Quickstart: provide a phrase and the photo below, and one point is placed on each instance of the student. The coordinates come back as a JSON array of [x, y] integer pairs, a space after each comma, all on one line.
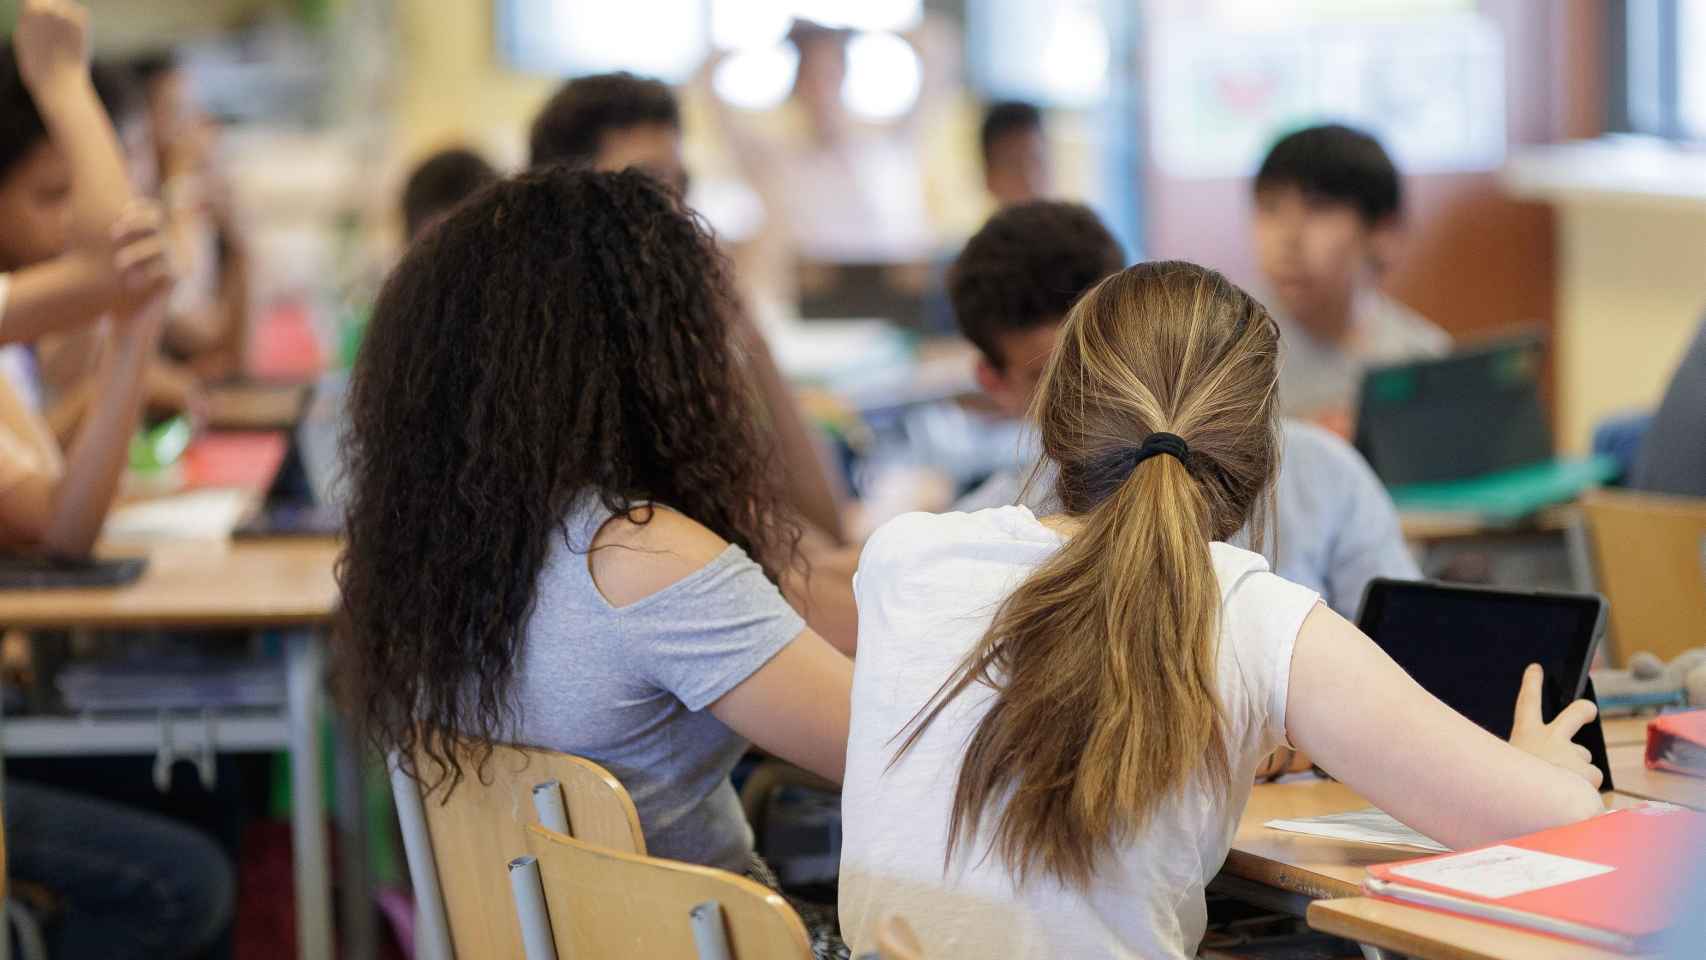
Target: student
[[1055, 721], [564, 527], [439, 183], [128, 884], [1327, 218], [612, 121], [1013, 285], [1673, 452], [1016, 166]]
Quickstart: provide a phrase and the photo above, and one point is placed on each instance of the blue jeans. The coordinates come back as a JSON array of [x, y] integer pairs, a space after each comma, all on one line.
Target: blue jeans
[[130, 884]]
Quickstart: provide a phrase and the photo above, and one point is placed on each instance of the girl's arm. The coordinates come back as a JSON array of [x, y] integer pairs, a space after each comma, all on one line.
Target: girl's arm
[[1365, 721]]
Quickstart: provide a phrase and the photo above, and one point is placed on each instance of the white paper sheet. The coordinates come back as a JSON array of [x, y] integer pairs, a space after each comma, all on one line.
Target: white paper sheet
[[1360, 826], [198, 515], [1499, 872]]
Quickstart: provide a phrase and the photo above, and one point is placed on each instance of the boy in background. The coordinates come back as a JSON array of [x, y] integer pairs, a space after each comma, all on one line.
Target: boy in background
[[612, 121], [1328, 208], [1334, 528], [1016, 166], [439, 183]]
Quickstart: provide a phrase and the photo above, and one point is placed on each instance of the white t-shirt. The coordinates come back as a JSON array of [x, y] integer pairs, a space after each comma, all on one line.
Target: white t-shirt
[[927, 588], [1315, 376]]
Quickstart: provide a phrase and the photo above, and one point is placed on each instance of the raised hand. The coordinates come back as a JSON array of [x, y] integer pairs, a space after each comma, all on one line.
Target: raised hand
[[1551, 741], [52, 42]]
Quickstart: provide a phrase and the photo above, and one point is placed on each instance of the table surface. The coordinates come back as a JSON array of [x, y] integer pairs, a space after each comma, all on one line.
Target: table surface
[[248, 583], [1427, 526], [1316, 867], [1623, 731], [1629, 774], [1432, 935]]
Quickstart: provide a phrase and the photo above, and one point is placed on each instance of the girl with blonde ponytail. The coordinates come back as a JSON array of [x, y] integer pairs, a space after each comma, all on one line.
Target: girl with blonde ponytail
[[1056, 721]]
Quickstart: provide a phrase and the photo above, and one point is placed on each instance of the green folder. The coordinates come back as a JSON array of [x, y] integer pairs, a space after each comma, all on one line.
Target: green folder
[[1508, 495]]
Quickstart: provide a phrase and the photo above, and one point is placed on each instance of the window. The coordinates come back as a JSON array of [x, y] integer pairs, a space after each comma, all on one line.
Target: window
[[1658, 61]]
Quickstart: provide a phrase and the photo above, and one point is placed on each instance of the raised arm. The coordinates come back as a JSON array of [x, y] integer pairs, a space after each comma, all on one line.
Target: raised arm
[[75, 288], [1366, 722]]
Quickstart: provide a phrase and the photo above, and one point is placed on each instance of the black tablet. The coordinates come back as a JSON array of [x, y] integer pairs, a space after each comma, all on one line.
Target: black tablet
[[1468, 646], [34, 572]]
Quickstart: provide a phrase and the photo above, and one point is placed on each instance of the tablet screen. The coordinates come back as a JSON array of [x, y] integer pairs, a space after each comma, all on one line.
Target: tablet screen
[[1469, 646]]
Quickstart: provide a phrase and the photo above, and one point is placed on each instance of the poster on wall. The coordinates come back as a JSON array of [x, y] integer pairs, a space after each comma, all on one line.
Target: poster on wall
[[1431, 88]]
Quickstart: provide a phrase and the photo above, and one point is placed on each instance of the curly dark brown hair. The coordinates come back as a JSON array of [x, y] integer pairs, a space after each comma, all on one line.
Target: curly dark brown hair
[[562, 333]]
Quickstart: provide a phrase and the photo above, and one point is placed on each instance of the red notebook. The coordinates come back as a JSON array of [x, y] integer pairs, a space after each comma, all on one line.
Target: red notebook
[[1677, 742], [234, 459], [1614, 881]]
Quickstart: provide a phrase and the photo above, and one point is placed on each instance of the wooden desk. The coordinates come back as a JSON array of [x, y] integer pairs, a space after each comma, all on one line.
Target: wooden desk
[[248, 584], [1629, 774], [1310, 867], [255, 406], [1432, 935], [189, 584], [1428, 526], [1624, 731]]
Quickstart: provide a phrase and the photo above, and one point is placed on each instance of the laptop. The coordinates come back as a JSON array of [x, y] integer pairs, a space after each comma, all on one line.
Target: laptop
[[1468, 433], [1469, 646]]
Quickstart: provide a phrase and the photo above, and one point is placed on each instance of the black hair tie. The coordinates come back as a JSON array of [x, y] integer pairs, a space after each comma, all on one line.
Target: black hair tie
[[1170, 444]]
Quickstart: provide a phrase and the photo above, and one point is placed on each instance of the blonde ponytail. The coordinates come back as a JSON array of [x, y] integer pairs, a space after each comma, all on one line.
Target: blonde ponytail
[[1104, 660]]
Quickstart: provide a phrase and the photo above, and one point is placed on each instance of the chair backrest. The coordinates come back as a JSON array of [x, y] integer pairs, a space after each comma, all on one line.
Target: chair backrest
[[603, 903], [474, 828], [1647, 550]]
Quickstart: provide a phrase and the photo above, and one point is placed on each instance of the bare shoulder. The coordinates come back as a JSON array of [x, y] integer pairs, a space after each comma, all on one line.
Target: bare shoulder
[[633, 558]]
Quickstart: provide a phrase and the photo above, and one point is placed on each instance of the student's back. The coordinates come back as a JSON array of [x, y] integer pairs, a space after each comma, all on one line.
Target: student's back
[[1673, 453], [1055, 722]]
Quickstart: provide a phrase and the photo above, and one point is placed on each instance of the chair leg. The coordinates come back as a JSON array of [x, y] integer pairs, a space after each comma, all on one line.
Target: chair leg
[[432, 938], [709, 937], [529, 892]]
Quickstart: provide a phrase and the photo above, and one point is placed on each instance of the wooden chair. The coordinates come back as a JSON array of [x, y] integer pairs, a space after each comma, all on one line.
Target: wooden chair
[[1647, 551], [456, 840], [604, 903]]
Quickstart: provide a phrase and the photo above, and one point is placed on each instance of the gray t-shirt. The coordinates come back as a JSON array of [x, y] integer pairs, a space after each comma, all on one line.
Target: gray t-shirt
[[627, 687], [1673, 454], [1334, 527], [1317, 377]]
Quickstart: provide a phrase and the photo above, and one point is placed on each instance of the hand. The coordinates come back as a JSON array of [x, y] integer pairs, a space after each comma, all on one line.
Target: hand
[[52, 41], [139, 248], [1551, 741]]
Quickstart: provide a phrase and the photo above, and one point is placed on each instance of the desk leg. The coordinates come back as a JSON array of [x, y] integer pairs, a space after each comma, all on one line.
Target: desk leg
[[303, 673], [355, 881], [1375, 953]]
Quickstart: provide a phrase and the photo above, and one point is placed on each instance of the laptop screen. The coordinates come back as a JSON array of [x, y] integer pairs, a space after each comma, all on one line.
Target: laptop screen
[[1469, 646]]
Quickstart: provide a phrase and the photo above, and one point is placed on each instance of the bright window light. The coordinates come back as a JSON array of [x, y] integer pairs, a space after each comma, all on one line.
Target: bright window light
[[750, 24], [659, 38], [757, 79], [883, 76], [865, 15], [1075, 56]]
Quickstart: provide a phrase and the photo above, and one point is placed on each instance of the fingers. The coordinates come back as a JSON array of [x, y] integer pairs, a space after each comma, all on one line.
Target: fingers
[[1528, 699], [1591, 774], [140, 219], [1573, 718]]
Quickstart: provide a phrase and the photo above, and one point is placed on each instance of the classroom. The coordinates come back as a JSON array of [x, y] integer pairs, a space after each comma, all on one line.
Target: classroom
[[853, 479]]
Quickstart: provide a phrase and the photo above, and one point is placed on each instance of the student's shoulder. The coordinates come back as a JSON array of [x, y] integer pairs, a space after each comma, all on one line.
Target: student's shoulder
[[916, 539], [650, 549], [1310, 445]]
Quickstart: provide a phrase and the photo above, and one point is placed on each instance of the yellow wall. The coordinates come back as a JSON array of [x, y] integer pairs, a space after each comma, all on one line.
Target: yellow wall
[[1632, 284]]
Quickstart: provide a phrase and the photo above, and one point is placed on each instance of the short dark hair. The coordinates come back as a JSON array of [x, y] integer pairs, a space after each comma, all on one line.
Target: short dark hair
[[1027, 266], [1008, 117], [1338, 163], [440, 182], [575, 120], [21, 126], [151, 66]]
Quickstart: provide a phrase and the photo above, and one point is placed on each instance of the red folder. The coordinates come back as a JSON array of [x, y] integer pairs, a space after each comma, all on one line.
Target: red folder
[[234, 459], [1614, 881], [1677, 742]]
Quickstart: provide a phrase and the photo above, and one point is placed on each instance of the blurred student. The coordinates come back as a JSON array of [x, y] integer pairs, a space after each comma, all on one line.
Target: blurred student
[[565, 526], [1327, 220], [612, 121], [1016, 167], [126, 884], [439, 183], [1012, 288], [1056, 720], [1673, 452], [208, 314], [69, 360]]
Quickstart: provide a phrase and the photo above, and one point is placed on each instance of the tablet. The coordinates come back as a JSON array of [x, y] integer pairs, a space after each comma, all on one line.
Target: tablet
[[36, 572], [1468, 646]]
